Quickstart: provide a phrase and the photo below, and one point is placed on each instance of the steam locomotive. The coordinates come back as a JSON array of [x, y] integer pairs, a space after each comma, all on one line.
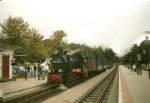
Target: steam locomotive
[[70, 68]]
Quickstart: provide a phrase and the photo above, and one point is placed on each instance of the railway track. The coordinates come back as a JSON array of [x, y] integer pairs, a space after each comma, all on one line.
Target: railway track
[[100, 92], [32, 95]]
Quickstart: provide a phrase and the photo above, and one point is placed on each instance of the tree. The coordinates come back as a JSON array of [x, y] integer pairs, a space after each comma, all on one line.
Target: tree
[[14, 28], [55, 41], [109, 55], [72, 46], [29, 42], [144, 49], [34, 46], [133, 54], [99, 56]]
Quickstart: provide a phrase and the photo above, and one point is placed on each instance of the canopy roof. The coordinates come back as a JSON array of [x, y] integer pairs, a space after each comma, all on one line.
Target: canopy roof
[[6, 46]]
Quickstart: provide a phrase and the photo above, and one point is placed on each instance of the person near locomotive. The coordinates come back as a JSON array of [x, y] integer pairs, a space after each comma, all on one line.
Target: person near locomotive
[[39, 72], [35, 69], [44, 68], [139, 64]]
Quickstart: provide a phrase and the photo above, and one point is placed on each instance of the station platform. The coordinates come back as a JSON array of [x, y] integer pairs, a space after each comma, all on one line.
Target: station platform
[[72, 94], [20, 84], [133, 88]]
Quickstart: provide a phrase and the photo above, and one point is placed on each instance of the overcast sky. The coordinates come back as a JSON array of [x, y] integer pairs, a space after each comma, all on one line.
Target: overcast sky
[[113, 23]]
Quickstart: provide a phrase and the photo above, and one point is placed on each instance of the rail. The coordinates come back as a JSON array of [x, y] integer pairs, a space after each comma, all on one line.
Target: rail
[[98, 93], [29, 95]]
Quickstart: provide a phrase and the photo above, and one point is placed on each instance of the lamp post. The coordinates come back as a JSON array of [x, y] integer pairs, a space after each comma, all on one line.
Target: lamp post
[[146, 53]]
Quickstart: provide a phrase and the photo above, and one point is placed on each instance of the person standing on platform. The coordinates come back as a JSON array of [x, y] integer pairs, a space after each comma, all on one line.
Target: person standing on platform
[[35, 69], [148, 66], [26, 71], [139, 68], [134, 68], [32, 70], [44, 70], [39, 72]]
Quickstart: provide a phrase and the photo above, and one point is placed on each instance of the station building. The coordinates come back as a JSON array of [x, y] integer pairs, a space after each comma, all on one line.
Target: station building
[[6, 57]]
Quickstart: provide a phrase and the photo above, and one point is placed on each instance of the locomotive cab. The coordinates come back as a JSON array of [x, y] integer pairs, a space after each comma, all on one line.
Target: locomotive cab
[[77, 65]]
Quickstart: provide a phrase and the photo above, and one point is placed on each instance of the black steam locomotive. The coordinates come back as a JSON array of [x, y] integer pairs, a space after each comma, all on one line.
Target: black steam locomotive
[[70, 68]]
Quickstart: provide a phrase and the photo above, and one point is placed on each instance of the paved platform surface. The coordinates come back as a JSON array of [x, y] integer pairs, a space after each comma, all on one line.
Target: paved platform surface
[[20, 84], [135, 88], [75, 92]]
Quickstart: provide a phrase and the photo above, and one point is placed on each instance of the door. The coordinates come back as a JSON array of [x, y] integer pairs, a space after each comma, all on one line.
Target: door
[[5, 67]]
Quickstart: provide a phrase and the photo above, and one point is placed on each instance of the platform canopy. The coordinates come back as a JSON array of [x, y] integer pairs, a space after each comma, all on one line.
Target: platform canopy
[[6, 46]]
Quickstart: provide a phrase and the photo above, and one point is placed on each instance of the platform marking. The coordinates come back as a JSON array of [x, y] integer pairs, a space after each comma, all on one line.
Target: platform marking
[[120, 90]]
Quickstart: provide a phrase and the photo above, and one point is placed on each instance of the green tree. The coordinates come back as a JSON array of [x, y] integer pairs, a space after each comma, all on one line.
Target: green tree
[[109, 56], [28, 41], [34, 46], [56, 40], [133, 54], [14, 28], [99, 56], [144, 50]]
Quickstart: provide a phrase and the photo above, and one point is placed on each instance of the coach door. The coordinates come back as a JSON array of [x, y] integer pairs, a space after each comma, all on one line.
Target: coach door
[[5, 66]]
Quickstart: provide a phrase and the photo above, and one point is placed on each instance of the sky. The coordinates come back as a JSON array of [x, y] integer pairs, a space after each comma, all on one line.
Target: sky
[[111, 23]]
